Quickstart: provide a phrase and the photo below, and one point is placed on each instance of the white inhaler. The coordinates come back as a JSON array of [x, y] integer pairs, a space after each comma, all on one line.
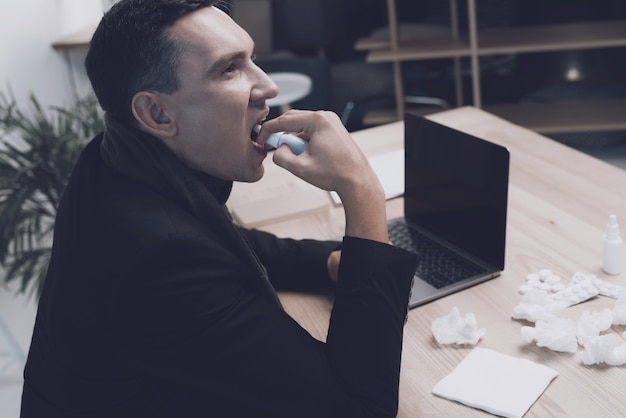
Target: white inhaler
[[612, 255], [297, 144]]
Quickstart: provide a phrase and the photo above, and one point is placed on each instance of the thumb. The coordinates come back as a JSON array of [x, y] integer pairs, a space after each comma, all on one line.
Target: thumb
[[285, 158]]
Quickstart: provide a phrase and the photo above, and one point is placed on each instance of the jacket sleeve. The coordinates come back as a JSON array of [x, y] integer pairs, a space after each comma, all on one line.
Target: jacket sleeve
[[192, 320], [292, 264]]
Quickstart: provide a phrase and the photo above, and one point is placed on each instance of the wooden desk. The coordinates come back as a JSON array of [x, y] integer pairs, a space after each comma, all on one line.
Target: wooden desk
[[559, 202]]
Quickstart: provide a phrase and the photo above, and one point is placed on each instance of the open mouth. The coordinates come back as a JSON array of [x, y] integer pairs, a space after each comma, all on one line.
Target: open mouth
[[253, 136], [255, 132]]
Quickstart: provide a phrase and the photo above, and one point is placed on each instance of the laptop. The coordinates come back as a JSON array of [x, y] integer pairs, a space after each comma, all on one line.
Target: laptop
[[455, 208]]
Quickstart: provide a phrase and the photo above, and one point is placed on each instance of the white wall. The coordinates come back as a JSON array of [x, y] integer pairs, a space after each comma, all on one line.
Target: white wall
[[28, 63]]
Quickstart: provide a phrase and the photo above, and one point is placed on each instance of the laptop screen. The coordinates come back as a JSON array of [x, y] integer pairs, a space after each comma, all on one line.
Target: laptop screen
[[456, 187]]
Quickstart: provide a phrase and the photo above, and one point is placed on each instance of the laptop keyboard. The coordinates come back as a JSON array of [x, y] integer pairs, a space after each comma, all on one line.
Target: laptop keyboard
[[438, 266]]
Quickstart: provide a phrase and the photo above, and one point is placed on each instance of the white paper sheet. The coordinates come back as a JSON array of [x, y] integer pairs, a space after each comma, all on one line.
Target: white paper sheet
[[389, 168], [497, 383]]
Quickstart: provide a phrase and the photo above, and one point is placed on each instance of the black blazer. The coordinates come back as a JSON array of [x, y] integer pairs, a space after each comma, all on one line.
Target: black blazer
[[146, 312]]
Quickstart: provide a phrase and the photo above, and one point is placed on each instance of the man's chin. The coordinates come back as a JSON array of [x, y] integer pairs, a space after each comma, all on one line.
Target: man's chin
[[259, 177], [253, 177]]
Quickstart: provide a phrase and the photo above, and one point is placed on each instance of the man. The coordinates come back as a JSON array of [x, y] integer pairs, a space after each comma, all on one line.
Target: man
[[155, 303]]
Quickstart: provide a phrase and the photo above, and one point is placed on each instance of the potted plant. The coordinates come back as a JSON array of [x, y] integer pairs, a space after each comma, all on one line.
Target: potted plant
[[38, 150]]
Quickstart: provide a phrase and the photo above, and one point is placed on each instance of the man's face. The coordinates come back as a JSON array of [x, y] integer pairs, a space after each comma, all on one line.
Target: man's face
[[222, 97]]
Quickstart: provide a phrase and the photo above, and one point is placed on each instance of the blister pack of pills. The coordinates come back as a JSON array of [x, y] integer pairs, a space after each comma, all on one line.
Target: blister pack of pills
[[577, 293], [605, 288]]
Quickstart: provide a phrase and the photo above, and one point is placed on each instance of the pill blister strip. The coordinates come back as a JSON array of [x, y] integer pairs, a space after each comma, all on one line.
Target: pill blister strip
[[581, 287], [604, 287], [577, 293]]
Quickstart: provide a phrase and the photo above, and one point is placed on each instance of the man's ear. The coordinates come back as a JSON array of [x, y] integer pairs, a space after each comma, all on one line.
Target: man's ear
[[152, 116]]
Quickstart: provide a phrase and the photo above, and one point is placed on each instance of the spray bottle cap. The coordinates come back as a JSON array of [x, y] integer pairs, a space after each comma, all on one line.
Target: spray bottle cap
[[612, 228]]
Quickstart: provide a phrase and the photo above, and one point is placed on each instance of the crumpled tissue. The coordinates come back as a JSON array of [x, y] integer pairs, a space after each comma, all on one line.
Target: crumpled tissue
[[619, 311], [609, 349], [535, 305], [557, 334], [591, 324], [565, 335], [497, 383], [453, 328]]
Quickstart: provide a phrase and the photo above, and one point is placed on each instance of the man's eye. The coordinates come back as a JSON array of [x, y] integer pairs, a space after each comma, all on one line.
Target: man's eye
[[231, 68]]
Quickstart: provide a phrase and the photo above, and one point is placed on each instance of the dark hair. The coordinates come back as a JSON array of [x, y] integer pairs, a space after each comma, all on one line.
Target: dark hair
[[131, 51]]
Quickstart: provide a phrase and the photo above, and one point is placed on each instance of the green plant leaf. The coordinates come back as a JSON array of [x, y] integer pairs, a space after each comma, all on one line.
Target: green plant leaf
[[38, 151]]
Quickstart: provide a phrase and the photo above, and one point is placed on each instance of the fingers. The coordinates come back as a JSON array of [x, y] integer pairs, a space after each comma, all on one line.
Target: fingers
[[302, 122], [283, 157], [332, 160], [332, 264]]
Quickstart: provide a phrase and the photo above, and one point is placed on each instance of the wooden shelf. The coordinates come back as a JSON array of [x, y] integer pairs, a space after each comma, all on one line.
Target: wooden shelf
[[432, 48], [77, 39], [561, 37], [557, 37], [577, 116], [383, 42], [370, 44]]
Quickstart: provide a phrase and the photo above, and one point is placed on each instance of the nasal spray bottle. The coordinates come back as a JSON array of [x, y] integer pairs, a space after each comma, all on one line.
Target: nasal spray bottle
[[612, 263]]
